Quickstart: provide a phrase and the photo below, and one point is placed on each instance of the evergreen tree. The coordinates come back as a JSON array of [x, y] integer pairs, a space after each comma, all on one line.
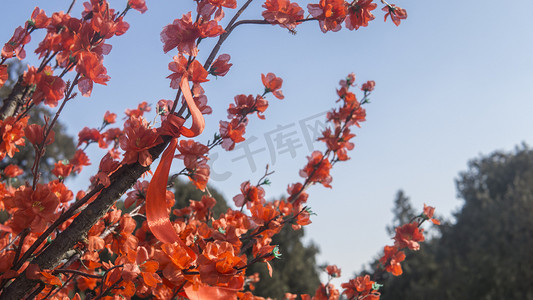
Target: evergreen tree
[[294, 272], [486, 253], [403, 212]]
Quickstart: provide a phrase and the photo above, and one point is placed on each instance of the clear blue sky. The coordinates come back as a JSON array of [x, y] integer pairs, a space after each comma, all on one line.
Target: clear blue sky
[[453, 81]]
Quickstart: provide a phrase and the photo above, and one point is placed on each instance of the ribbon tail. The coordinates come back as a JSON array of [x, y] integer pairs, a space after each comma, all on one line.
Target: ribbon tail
[[206, 292], [156, 204], [198, 122]]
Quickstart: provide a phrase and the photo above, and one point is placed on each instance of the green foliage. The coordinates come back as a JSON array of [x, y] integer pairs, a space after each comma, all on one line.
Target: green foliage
[[486, 254], [295, 271]]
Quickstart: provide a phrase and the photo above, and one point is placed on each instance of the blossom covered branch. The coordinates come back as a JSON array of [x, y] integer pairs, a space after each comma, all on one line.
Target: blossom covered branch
[[54, 241]]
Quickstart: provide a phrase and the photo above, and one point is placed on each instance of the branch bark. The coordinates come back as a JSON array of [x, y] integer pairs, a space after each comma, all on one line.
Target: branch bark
[[122, 180], [14, 101]]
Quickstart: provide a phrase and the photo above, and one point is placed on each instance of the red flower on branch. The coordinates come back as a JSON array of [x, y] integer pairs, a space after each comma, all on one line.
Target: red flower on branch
[[360, 288], [48, 88], [62, 170], [245, 105], [138, 263], [109, 117], [391, 260], [138, 138], [35, 134], [33, 209], [283, 12], [89, 135], [15, 45], [368, 86], [206, 8], [79, 160], [220, 66], [107, 167], [272, 85], [139, 111], [317, 169], [231, 133], [38, 19], [333, 271], [193, 153], [359, 14], [12, 171], [397, 14], [428, 214], [183, 33], [330, 14], [91, 67], [408, 236], [174, 258], [250, 195], [200, 176], [219, 263], [203, 207], [337, 142], [139, 5], [12, 133], [296, 194], [195, 71], [61, 191]]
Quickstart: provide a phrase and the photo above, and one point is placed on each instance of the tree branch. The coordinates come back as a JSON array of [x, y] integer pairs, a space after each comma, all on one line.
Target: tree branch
[[13, 101], [122, 180]]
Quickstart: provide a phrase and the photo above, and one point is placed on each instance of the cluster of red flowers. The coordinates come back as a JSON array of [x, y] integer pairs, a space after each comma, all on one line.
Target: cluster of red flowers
[[232, 132], [407, 236], [362, 287], [330, 13], [155, 250]]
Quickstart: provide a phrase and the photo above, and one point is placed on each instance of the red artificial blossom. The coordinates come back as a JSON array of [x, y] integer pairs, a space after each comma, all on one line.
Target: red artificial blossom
[[54, 243]]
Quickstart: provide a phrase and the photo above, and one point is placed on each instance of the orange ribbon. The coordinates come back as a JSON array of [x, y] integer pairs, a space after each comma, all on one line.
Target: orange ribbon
[[198, 122], [206, 292], [156, 206]]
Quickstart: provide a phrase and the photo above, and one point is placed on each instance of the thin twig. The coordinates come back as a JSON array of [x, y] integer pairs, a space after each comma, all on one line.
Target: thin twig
[[225, 35], [71, 6], [76, 272], [23, 236]]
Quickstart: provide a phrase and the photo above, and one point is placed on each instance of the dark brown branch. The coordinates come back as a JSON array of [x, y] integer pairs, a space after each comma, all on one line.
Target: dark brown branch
[[225, 35], [71, 6], [231, 26], [64, 217], [76, 272], [23, 236], [122, 180], [14, 101]]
